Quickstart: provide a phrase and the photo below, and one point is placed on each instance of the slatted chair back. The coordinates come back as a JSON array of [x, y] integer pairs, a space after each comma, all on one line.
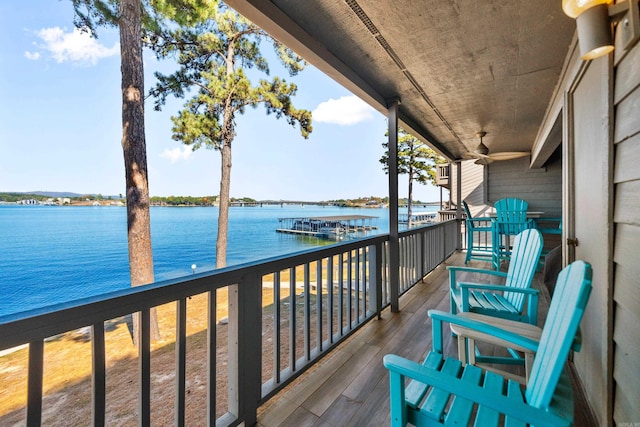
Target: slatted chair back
[[565, 313], [511, 216], [527, 247], [478, 231]]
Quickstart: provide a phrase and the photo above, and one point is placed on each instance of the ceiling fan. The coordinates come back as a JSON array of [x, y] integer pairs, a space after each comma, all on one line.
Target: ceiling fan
[[481, 153]]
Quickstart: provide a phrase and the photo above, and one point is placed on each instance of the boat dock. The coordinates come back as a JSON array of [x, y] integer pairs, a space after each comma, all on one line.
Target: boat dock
[[337, 227], [418, 218]]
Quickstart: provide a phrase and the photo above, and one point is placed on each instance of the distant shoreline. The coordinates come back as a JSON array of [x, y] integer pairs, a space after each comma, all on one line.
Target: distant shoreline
[[111, 203]]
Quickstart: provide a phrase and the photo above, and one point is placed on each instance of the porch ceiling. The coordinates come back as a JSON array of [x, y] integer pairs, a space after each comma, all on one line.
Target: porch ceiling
[[458, 66]]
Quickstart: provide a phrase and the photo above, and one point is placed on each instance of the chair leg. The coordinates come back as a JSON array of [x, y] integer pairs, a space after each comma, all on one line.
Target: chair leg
[[471, 353], [528, 364], [463, 351]]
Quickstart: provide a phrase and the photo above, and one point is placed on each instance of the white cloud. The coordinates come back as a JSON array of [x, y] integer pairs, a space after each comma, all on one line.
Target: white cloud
[[75, 46], [347, 110], [177, 154], [34, 56]]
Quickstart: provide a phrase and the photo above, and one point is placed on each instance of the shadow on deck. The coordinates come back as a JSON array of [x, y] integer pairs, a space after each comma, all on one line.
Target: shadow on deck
[[350, 387]]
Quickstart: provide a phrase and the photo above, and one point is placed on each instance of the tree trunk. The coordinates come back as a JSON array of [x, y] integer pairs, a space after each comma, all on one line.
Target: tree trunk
[[135, 151], [228, 133], [223, 215]]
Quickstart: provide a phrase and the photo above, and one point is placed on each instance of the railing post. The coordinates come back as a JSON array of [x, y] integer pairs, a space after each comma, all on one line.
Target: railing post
[[394, 245], [459, 204], [245, 341], [34, 381], [444, 244], [422, 248], [375, 278]]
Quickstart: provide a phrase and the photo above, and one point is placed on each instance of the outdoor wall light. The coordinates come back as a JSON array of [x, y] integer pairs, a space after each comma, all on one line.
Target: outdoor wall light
[[595, 19]]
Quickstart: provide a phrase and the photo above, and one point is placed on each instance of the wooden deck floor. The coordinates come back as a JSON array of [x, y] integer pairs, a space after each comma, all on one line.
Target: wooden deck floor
[[350, 386]]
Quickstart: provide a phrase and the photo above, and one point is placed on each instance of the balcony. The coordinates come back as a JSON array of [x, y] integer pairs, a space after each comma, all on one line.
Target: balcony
[[443, 175], [350, 387], [231, 339]]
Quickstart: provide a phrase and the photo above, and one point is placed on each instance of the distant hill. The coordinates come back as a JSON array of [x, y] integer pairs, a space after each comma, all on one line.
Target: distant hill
[[54, 193]]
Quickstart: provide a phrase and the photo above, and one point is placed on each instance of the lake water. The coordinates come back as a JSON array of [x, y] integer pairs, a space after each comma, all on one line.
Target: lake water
[[54, 254]]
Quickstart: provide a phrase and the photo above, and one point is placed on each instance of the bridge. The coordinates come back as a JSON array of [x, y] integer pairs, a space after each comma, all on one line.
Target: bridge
[[302, 203], [282, 203]]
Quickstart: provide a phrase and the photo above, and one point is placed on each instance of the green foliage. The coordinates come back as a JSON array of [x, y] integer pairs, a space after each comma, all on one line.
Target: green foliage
[[414, 158], [91, 14], [14, 197], [183, 201], [213, 46]]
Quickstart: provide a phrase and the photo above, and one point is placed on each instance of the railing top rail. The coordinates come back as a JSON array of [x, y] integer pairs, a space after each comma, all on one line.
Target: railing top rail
[[431, 226]]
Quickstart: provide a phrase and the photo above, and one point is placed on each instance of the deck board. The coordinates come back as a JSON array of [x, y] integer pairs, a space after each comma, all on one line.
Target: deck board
[[350, 387]]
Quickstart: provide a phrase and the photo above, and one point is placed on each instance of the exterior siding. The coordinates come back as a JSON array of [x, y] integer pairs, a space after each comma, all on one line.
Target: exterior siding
[[472, 187], [542, 188], [626, 284]]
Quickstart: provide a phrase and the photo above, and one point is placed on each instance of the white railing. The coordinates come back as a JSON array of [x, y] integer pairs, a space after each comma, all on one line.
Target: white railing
[[262, 325]]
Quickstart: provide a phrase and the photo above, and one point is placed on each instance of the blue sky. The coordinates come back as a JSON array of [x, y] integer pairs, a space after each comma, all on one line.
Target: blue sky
[[60, 125]]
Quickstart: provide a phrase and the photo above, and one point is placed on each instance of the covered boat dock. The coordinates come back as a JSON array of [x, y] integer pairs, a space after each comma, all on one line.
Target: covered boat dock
[[337, 227]]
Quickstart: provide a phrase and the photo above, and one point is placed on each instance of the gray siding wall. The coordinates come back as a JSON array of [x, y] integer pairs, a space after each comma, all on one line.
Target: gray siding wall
[[541, 188], [473, 188], [626, 286]]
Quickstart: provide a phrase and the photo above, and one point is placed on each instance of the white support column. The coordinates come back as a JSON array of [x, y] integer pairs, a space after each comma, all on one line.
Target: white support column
[[394, 246]]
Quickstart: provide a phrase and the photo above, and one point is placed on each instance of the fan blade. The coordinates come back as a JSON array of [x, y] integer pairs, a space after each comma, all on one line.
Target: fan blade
[[483, 161], [508, 155]]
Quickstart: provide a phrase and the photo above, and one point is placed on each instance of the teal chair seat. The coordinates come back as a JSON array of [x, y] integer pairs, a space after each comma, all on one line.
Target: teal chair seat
[[506, 301]]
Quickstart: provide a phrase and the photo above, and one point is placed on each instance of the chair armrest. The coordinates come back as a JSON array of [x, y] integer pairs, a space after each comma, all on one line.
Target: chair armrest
[[438, 317], [480, 224], [455, 269], [498, 288], [550, 219], [481, 218], [549, 225], [400, 367]]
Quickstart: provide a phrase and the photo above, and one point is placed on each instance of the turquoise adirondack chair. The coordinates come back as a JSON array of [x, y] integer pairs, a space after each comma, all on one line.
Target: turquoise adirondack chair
[[506, 301], [443, 392], [479, 231], [511, 219]]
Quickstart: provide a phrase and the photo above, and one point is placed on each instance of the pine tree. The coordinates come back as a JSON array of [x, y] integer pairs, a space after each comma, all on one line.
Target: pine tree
[[213, 50], [416, 160], [127, 15]]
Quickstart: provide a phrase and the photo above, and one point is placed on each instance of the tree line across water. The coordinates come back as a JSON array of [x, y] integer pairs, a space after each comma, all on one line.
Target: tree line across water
[[10, 197]]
